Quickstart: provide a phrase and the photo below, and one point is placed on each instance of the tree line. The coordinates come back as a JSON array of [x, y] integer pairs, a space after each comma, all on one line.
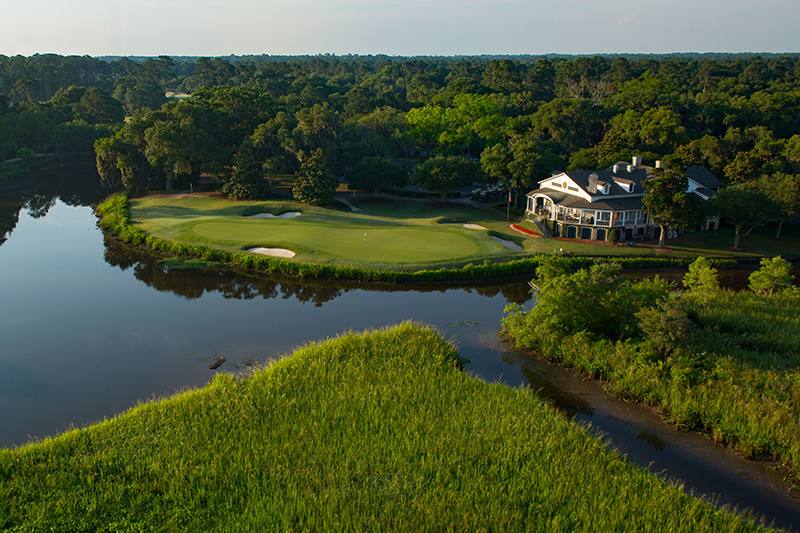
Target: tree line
[[520, 118]]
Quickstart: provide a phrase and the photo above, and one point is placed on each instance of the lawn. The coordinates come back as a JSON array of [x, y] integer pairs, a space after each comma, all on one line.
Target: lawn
[[393, 233], [389, 233], [373, 432]]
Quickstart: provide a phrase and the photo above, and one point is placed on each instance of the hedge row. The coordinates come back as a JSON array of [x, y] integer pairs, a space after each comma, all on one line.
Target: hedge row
[[114, 216]]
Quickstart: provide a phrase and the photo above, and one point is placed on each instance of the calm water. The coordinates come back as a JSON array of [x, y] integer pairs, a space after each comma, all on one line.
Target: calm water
[[89, 328]]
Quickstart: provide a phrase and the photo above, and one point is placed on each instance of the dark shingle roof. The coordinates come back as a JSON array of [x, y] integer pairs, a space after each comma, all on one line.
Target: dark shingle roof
[[622, 176], [704, 177], [612, 204]]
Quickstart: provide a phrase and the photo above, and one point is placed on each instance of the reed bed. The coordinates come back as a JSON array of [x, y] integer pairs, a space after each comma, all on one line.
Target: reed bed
[[735, 376], [366, 432]]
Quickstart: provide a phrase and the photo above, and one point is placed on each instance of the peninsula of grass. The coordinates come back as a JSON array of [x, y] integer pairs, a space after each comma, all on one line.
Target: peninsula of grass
[[372, 432], [395, 242]]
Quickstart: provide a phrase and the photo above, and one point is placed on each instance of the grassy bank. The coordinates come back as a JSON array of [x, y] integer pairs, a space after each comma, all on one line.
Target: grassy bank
[[362, 433], [115, 216], [726, 363]]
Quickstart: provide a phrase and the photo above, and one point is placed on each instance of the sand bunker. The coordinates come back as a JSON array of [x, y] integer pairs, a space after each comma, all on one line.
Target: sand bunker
[[468, 226], [508, 244], [290, 214], [272, 252]]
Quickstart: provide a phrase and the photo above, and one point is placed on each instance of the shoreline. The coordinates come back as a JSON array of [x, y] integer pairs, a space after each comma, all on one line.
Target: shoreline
[[114, 217]]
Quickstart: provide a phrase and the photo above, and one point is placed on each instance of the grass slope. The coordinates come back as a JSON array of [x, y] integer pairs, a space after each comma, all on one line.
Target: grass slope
[[369, 432]]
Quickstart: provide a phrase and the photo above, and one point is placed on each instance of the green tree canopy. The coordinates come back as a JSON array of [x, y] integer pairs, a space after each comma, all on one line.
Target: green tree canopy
[[443, 173], [247, 180], [375, 174], [784, 190], [668, 203], [315, 185], [745, 208]]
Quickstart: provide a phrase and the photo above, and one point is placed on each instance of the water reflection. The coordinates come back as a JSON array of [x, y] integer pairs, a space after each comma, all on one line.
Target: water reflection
[[75, 184], [194, 283], [653, 440]]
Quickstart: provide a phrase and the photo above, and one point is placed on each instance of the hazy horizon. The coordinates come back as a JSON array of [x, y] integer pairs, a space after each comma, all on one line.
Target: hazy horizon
[[389, 27]]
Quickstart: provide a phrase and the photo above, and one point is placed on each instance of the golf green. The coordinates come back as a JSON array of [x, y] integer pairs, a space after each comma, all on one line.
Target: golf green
[[359, 242]]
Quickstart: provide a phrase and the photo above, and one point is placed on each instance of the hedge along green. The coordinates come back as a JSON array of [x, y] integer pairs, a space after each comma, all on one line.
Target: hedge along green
[[115, 217]]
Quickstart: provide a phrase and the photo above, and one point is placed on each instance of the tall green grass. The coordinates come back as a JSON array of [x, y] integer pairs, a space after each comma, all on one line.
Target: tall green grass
[[372, 432], [736, 376]]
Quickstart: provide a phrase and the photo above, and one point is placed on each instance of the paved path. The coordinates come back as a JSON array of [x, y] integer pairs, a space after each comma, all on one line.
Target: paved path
[[348, 204]]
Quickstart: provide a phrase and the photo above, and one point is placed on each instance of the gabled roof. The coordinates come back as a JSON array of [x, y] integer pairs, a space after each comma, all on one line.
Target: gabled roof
[[620, 177], [618, 181], [632, 202], [704, 177]]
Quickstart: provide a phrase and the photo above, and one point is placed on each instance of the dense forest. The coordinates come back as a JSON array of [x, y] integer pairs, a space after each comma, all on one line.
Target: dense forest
[[520, 117]]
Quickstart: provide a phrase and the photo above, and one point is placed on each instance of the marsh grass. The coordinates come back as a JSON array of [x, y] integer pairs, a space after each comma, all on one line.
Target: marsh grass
[[736, 377], [372, 432]]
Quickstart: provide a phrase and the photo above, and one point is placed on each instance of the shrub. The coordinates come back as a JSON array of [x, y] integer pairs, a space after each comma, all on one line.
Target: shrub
[[701, 281], [774, 275]]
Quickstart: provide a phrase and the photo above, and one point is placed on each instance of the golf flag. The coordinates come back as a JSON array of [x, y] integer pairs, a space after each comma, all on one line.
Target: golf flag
[[509, 195]]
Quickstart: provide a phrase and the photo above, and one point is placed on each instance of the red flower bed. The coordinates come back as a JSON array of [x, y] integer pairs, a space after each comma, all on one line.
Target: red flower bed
[[524, 230]]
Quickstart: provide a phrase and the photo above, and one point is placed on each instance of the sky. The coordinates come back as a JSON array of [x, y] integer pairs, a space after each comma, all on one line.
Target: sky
[[395, 27]]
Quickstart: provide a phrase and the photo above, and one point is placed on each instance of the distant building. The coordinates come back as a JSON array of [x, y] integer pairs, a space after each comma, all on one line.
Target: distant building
[[583, 204]]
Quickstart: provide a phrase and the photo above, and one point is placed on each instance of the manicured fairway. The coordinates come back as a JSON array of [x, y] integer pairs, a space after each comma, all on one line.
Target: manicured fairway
[[401, 234]]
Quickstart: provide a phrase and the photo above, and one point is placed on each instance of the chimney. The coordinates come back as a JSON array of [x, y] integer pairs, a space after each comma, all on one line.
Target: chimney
[[637, 160], [630, 168], [616, 168], [658, 164], [593, 183]]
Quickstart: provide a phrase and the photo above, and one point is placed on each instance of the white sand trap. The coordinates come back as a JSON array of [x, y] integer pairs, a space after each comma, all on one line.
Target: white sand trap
[[290, 214], [468, 226], [273, 252], [508, 244]]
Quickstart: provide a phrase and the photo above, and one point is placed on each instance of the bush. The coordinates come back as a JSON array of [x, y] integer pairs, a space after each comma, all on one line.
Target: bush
[[774, 275]]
